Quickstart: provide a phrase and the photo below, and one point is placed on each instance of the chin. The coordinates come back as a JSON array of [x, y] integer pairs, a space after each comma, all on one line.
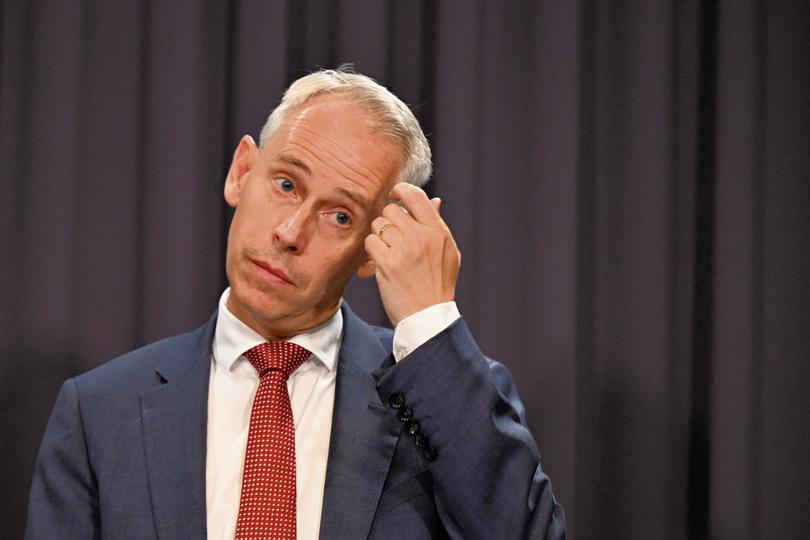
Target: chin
[[263, 305]]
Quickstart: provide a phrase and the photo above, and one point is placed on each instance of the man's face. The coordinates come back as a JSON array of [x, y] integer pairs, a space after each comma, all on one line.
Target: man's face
[[304, 202]]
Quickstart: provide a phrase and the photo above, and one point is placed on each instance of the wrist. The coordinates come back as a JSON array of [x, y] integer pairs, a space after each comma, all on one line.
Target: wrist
[[416, 329]]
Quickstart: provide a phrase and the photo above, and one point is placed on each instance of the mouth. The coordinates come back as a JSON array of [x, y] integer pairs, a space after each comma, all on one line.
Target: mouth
[[272, 273]]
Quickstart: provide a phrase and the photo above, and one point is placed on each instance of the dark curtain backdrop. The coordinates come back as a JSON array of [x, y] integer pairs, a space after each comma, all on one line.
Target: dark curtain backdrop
[[627, 182]]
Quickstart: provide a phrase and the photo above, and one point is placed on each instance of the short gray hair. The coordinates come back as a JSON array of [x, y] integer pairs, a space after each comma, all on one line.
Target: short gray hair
[[389, 114]]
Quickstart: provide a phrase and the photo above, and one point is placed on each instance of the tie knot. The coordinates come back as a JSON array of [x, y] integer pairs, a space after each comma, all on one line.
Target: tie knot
[[277, 355]]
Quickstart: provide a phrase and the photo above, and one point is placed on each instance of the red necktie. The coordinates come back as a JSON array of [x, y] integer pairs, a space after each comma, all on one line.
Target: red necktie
[[267, 504]]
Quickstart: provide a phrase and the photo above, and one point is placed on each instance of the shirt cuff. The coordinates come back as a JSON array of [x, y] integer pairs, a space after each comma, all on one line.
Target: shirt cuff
[[414, 330]]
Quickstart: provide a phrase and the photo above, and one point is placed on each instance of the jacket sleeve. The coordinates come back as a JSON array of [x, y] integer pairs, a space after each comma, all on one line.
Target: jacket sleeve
[[488, 482], [64, 498]]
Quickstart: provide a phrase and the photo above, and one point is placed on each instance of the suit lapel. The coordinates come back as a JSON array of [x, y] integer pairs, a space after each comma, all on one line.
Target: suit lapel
[[363, 437], [174, 418]]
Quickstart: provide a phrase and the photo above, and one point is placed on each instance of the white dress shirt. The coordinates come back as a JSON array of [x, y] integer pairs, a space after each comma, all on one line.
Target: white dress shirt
[[233, 386]]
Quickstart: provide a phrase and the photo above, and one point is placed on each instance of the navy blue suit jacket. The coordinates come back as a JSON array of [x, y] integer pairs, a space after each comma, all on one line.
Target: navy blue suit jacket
[[123, 455]]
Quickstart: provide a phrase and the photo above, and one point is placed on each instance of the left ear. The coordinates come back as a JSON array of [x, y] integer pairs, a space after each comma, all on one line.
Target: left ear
[[366, 268], [243, 158]]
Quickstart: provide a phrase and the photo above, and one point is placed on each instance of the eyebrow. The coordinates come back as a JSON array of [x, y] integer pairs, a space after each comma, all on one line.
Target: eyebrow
[[357, 198], [295, 162]]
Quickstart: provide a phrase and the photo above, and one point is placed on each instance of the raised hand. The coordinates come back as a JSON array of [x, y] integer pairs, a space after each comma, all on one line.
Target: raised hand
[[416, 260]]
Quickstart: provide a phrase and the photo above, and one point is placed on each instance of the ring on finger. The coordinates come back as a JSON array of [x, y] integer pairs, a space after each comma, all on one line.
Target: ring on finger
[[383, 228]]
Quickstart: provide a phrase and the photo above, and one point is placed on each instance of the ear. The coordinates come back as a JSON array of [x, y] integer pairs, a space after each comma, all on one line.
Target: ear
[[366, 268], [243, 159]]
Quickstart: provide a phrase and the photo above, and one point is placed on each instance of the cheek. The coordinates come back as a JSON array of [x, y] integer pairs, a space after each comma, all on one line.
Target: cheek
[[232, 251], [331, 261], [235, 240], [355, 257], [247, 226]]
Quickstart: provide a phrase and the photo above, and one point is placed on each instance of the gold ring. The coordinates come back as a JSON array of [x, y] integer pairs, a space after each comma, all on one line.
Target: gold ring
[[382, 229]]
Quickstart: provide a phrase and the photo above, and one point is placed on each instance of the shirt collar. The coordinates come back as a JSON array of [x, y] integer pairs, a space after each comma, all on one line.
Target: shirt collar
[[232, 338]]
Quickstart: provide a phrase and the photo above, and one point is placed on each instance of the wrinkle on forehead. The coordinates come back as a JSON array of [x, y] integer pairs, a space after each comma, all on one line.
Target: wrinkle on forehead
[[321, 130], [351, 158]]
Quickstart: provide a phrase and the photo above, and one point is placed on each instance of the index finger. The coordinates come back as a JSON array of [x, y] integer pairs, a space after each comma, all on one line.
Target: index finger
[[416, 202]]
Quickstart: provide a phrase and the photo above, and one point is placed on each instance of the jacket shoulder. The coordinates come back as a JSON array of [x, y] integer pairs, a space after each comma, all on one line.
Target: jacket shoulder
[[139, 367]]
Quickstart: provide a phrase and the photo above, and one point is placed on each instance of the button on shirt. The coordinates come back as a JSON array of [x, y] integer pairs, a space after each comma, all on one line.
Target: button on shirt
[[233, 386]]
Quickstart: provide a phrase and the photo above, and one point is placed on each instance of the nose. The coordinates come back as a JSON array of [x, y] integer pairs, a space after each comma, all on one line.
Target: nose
[[289, 234]]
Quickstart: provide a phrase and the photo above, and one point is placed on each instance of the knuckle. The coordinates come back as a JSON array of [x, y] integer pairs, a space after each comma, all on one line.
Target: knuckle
[[389, 208], [410, 188], [402, 187], [433, 236], [424, 243]]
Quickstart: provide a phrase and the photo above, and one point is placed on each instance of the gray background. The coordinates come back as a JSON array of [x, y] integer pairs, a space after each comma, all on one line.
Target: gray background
[[627, 182]]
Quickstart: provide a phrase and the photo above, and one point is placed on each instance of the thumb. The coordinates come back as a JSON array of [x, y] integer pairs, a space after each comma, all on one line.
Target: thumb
[[436, 202]]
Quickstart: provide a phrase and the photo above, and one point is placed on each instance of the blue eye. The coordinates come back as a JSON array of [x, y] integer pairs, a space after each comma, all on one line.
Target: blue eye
[[342, 218], [285, 184]]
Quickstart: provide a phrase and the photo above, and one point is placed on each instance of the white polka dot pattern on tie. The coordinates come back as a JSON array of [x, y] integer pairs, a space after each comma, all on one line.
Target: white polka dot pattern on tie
[[267, 504]]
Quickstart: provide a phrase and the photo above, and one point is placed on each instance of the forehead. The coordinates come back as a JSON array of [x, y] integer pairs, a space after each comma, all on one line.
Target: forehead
[[333, 119], [331, 110], [330, 134]]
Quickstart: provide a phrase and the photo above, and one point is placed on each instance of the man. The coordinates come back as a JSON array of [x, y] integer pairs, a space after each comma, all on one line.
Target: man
[[360, 431]]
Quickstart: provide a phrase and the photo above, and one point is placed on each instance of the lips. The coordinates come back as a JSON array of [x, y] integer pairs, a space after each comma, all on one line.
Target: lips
[[273, 272]]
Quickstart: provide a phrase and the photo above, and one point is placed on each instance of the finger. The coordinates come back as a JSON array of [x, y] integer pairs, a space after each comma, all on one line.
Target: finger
[[386, 230], [416, 203], [375, 248], [398, 216], [405, 222], [379, 223]]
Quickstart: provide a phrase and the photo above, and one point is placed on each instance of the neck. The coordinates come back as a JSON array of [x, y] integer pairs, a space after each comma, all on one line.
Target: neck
[[285, 327]]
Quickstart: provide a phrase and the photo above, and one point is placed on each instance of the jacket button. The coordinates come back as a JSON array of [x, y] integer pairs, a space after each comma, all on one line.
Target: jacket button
[[421, 440], [396, 400], [413, 427], [430, 453], [405, 414]]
